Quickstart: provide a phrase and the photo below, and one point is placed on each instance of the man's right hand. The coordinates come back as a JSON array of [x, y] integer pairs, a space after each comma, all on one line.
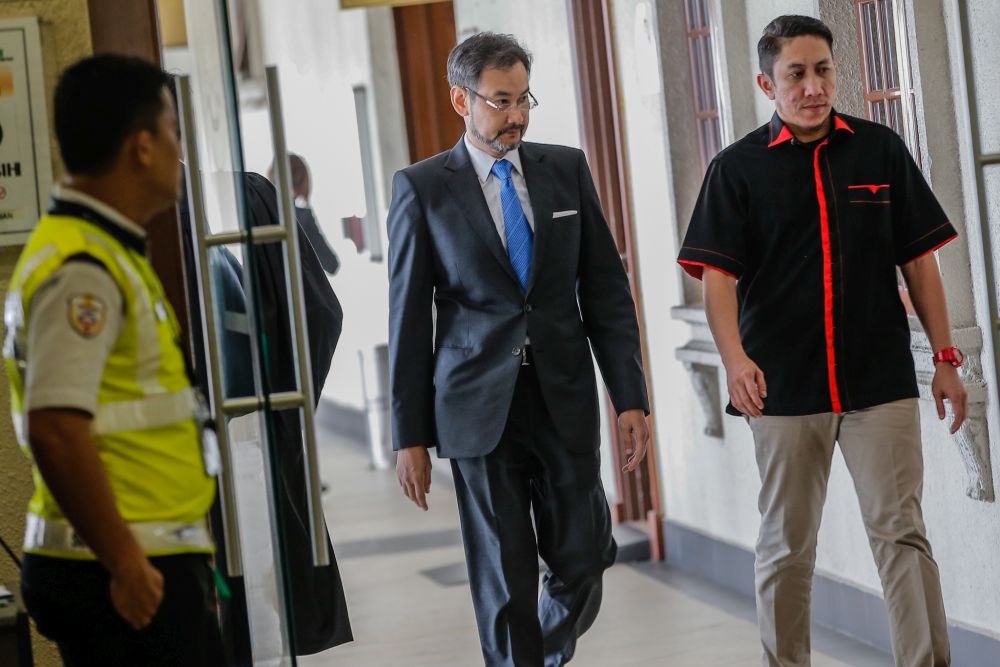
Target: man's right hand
[[137, 591], [747, 389], [413, 469]]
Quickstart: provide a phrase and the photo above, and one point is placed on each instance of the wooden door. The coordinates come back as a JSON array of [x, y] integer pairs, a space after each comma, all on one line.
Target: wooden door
[[425, 34]]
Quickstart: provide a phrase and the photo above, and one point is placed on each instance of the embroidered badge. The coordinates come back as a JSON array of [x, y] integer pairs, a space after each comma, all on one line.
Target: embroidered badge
[[87, 315]]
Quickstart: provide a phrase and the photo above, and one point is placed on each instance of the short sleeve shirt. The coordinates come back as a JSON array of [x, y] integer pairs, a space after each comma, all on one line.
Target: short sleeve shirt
[[74, 320], [814, 233]]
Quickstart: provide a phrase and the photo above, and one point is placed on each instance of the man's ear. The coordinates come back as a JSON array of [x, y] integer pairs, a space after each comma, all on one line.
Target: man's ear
[[765, 83], [140, 145], [460, 100]]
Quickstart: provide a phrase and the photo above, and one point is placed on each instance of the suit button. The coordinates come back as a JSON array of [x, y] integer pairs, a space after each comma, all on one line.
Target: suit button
[[527, 308], [516, 350]]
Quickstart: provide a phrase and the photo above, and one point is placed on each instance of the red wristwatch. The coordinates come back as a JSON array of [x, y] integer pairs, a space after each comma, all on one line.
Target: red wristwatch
[[952, 355]]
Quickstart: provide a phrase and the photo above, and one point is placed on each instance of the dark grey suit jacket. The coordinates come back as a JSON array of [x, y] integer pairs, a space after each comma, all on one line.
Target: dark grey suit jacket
[[452, 380]]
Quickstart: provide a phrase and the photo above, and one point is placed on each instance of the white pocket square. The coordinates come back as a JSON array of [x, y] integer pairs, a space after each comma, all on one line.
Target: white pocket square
[[562, 214]]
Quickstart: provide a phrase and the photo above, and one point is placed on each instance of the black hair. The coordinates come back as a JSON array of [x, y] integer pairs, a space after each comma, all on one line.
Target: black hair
[[482, 51], [99, 102], [784, 28]]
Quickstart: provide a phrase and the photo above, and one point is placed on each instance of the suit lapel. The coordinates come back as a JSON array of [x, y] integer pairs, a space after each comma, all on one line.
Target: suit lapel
[[467, 191], [542, 194]]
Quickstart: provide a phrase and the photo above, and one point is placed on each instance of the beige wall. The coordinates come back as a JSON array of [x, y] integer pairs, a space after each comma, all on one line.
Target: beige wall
[[65, 31]]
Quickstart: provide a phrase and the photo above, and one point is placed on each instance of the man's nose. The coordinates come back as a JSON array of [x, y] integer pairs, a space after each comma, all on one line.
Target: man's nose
[[813, 86], [516, 116]]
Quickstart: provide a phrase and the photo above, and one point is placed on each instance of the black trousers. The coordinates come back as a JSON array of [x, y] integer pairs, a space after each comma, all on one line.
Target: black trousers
[[71, 604], [532, 473]]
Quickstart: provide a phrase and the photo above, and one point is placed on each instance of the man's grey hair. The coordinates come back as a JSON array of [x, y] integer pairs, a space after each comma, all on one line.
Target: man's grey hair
[[482, 51]]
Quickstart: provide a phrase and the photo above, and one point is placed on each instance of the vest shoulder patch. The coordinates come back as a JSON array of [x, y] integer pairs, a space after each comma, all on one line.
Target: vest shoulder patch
[[87, 314]]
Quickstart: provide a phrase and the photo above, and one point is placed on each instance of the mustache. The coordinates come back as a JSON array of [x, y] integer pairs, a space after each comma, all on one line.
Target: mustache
[[517, 126]]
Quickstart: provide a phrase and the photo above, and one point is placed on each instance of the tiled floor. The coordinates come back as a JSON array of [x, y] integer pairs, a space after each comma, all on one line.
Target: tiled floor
[[404, 574]]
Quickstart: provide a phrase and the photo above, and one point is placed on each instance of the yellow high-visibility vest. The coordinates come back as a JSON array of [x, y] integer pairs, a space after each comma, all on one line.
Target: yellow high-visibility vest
[[144, 427]]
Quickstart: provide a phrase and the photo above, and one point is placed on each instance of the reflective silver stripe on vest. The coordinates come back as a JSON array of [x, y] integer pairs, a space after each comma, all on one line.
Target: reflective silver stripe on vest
[[124, 416], [153, 536], [150, 412], [13, 310], [18, 419], [148, 352]]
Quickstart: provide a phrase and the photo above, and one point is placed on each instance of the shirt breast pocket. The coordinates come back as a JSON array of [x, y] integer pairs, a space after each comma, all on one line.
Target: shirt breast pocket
[[869, 194], [870, 208]]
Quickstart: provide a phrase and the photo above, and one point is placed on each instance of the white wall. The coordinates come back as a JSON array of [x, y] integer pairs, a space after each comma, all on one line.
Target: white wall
[[984, 17], [322, 52], [641, 86], [970, 530]]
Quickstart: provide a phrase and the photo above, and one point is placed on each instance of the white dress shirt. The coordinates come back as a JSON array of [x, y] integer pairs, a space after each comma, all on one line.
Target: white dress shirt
[[482, 162]]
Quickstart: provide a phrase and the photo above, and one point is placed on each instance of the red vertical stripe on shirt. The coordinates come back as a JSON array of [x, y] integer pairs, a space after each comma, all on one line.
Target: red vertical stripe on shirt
[[824, 225]]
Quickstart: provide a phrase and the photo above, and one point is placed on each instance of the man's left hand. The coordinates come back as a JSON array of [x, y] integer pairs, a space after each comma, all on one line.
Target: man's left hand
[[633, 429], [948, 385]]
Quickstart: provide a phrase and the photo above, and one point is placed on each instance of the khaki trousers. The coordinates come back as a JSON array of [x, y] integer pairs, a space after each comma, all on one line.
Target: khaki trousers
[[881, 446]]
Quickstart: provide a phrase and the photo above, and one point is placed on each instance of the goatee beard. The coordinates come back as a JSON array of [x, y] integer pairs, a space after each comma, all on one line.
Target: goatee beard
[[496, 144]]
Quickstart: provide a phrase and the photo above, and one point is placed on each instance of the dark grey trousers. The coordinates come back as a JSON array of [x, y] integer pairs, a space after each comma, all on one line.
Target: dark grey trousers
[[532, 473]]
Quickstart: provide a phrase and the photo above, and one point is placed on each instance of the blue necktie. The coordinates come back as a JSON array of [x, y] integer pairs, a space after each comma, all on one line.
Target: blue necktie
[[516, 228]]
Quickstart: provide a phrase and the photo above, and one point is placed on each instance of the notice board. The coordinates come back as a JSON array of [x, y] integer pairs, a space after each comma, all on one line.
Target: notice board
[[25, 159]]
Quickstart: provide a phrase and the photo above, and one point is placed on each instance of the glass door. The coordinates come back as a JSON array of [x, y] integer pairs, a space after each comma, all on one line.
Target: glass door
[[250, 300]]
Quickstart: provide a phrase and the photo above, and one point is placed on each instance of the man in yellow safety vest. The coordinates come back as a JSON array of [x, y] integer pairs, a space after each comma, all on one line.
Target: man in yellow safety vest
[[117, 565]]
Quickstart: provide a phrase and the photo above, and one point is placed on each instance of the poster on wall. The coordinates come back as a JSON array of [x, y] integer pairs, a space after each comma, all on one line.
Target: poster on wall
[[25, 161]]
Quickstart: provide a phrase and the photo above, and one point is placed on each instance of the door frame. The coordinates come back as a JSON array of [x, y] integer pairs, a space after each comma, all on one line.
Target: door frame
[[603, 139]]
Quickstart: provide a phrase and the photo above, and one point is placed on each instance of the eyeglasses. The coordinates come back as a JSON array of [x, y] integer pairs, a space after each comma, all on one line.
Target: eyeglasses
[[524, 104]]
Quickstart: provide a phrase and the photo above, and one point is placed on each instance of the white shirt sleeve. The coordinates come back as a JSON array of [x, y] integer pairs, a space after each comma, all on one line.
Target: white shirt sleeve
[[74, 320]]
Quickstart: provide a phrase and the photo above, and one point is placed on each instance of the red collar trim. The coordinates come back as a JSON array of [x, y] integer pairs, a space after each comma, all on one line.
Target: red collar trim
[[840, 124], [786, 135], [783, 136]]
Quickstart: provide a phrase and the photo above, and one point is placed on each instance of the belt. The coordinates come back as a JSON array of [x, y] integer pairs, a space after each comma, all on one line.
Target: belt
[[527, 355], [49, 536]]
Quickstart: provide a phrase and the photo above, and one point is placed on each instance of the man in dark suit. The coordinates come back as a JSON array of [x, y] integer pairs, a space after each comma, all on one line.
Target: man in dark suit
[[508, 241]]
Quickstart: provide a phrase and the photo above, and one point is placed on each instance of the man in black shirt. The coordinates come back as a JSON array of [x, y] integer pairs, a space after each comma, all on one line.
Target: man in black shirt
[[803, 223]]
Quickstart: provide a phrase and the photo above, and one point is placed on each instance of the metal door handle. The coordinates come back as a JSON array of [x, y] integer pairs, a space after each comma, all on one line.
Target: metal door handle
[[293, 281], [196, 206]]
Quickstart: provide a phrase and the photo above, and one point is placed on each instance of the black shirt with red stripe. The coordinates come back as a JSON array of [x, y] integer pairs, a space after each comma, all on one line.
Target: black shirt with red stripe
[[813, 232]]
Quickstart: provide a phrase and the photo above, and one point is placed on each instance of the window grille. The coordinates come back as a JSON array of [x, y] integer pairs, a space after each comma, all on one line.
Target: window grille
[[703, 79]]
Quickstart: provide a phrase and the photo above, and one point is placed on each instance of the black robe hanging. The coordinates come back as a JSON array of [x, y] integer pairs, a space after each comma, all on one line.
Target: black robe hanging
[[319, 617], [319, 610]]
